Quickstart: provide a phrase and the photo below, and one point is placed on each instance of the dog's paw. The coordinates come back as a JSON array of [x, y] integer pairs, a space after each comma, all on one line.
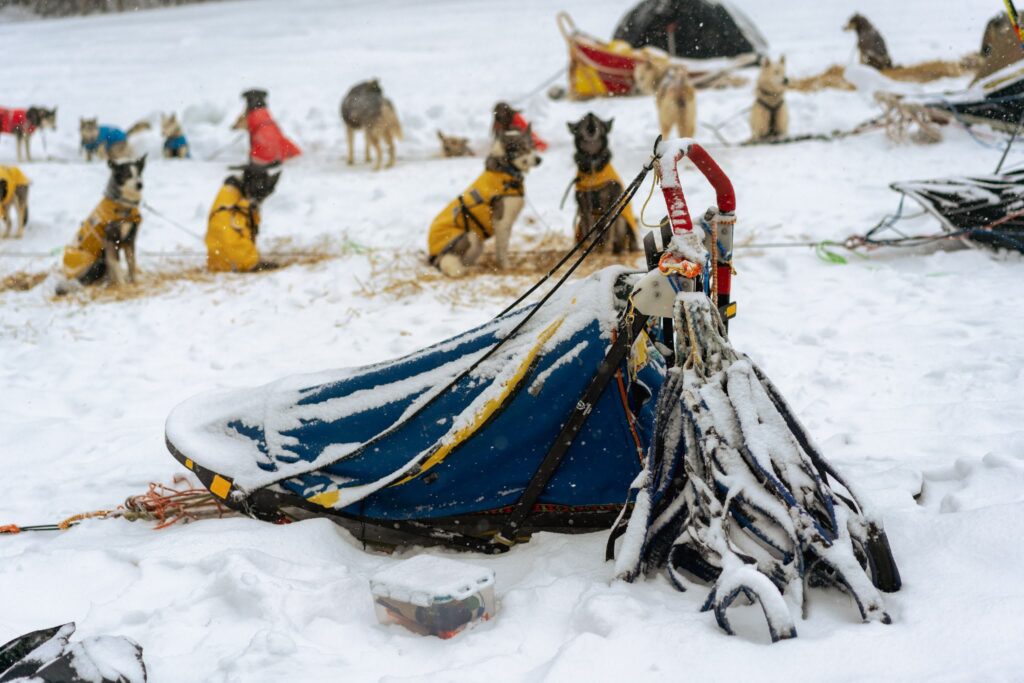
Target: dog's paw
[[451, 265]]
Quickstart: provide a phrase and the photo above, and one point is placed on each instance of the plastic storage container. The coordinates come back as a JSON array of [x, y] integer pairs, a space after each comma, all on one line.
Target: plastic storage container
[[433, 596]]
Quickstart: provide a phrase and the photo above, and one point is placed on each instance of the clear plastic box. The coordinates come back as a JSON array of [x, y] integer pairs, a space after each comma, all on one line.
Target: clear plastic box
[[433, 596]]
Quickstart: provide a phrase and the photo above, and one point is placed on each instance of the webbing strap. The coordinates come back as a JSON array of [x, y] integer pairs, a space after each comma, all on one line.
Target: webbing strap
[[629, 327]]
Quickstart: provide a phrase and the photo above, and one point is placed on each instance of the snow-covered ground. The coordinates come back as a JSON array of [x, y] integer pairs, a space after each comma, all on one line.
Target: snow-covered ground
[[908, 366]]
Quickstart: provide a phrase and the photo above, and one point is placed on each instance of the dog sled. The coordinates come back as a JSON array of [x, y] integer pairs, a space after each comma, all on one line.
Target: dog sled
[[607, 69], [987, 210], [997, 101], [616, 402]]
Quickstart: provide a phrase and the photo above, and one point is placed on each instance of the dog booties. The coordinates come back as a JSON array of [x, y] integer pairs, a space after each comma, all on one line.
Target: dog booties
[[87, 250], [13, 120], [231, 233], [595, 180], [108, 137], [14, 178], [471, 211], [267, 143]]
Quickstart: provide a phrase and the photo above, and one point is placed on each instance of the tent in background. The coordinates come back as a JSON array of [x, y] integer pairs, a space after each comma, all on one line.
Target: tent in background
[[698, 29]]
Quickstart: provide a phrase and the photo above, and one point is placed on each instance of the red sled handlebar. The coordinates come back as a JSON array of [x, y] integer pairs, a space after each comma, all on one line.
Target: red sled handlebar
[[672, 189]]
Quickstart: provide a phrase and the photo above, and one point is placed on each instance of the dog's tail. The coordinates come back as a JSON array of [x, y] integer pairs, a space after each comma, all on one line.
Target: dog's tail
[[390, 117], [138, 127]]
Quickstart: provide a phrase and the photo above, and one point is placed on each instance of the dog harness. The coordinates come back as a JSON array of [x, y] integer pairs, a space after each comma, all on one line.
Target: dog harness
[[87, 249], [595, 180], [773, 110], [108, 136], [14, 178], [231, 232], [267, 143], [176, 143], [13, 120], [471, 210]]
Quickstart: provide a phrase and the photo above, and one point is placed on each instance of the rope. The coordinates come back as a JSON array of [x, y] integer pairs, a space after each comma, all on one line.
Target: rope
[[548, 81], [163, 504], [179, 226]]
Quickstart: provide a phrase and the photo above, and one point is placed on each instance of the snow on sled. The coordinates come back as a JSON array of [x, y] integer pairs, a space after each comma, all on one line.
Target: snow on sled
[[997, 101], [987, 209], [615, 402], [386, 448]]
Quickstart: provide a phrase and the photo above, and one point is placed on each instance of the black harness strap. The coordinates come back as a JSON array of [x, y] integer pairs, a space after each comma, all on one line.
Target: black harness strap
[[629, 327]]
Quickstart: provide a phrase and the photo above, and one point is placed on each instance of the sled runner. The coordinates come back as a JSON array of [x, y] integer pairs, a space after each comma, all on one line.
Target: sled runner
[[604, 69]]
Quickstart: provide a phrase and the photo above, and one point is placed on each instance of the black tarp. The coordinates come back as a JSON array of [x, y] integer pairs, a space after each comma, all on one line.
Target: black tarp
[[698, 29]]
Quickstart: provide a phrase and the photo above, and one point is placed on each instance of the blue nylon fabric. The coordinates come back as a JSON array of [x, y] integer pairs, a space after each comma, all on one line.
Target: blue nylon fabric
[[108, 136], [175, 143], [491, 469]]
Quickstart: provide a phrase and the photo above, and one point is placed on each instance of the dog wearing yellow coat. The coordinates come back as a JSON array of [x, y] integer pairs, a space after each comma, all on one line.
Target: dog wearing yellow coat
[[109, 230], [487, 209], [13, 193], [235, 221], [598, 185]]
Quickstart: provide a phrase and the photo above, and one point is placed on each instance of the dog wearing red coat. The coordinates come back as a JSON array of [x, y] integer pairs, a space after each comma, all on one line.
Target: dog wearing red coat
[[267, 144]]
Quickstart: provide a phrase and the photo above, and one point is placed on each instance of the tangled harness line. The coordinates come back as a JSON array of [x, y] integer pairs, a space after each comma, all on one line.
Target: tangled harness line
[[733, 492], [163, 504]]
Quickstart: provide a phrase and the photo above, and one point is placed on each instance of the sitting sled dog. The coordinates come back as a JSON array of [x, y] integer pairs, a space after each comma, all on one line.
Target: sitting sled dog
[[235, 221], [870, 43], [365, 108], [267, 144], [13, 194], [598, 185], [487, 209], [107, 142], [769, 117], [22, 123], [109, 230], [175, 142]]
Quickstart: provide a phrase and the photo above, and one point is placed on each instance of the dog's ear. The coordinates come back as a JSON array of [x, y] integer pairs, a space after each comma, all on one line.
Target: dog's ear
[[608, 124], [141, 163], [111, 164], [782, 60], [440, 136], [573, 127], [272, 182]]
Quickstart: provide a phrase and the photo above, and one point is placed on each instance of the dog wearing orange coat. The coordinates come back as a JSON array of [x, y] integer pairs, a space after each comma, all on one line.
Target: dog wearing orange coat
[[267, 144]]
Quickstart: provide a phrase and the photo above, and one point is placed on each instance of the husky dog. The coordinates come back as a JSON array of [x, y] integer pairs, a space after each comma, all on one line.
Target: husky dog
[[107, 142], [365, 108], [13, 193], [452, 146], [234, 222], [267, 144], [22, 123], [488, 208], [506, 118], [175, 143], [109, 230], [870, 43], [598, 185], [769, 117], [676, 99]]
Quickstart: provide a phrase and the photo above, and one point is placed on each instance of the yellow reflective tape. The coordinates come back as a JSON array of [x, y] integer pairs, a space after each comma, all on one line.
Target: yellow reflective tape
[[328, 498], [220, 487], [489, 408], [189, 463], [730, 311]]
